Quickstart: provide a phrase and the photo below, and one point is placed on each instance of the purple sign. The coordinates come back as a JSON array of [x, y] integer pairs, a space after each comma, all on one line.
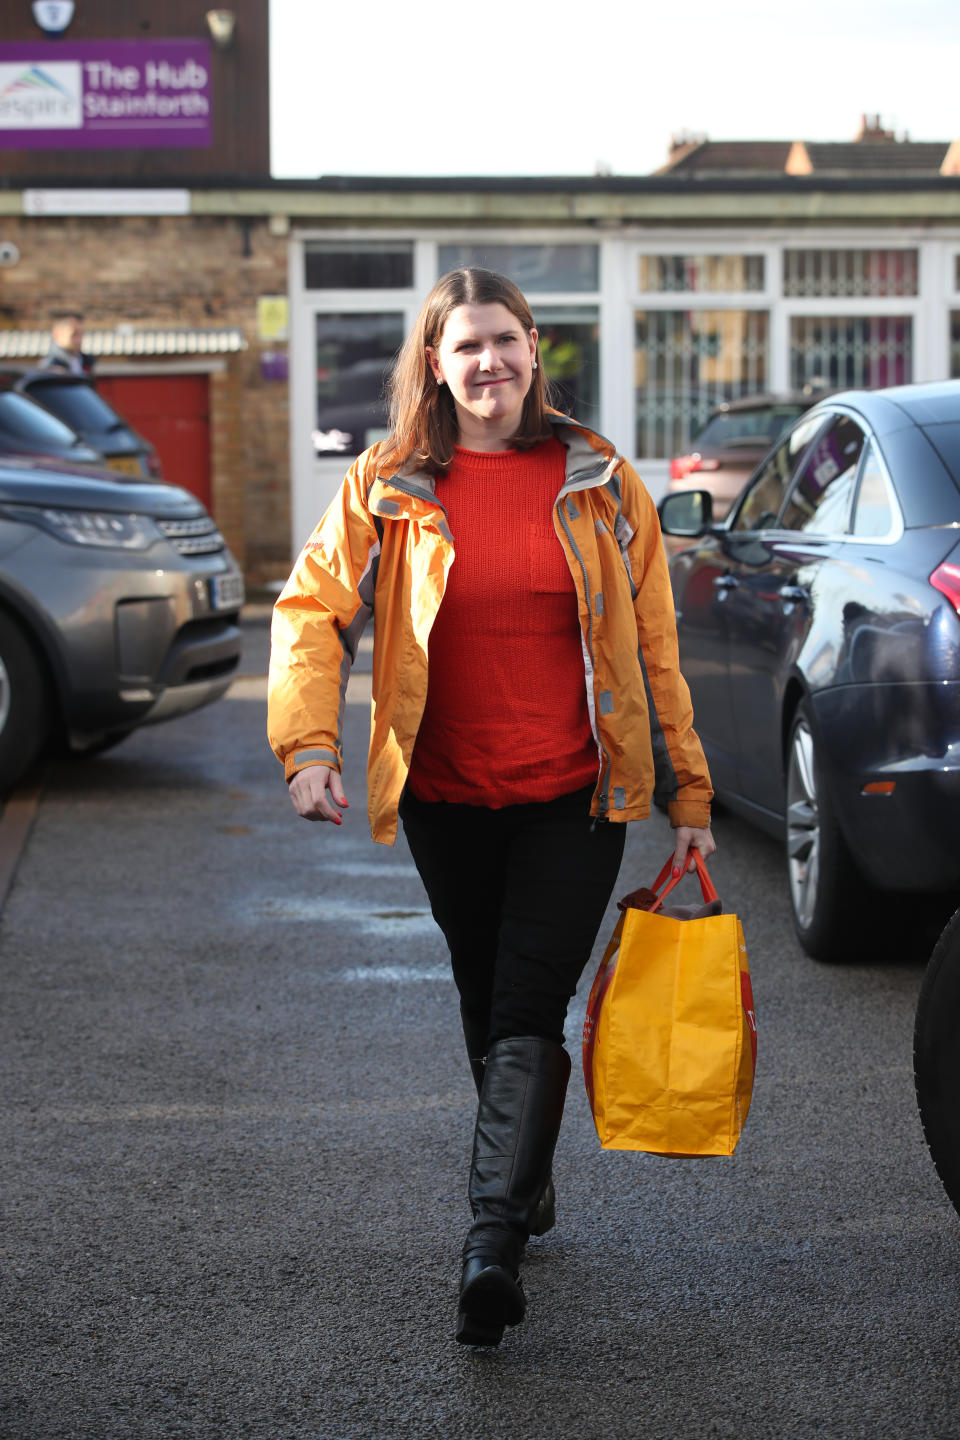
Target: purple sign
[[105, 94]]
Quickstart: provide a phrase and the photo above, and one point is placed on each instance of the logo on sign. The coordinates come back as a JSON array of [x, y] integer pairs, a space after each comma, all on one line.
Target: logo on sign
[[41, 97], [53, 16]]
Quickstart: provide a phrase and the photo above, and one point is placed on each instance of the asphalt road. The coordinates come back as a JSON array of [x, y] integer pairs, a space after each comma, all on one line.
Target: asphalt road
[[236, 1121]]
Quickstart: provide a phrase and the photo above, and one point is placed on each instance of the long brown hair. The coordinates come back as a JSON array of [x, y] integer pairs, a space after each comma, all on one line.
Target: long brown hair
[[423, 417]]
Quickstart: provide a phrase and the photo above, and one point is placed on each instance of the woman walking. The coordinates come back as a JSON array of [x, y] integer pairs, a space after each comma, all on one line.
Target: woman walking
[[527, 701]]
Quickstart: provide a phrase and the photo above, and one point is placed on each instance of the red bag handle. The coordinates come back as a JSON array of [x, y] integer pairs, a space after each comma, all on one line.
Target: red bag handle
[[706, 884]]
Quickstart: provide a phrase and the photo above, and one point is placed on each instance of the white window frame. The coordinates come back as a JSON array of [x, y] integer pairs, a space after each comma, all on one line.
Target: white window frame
[[717, 242], [926, 310], [314, 481]]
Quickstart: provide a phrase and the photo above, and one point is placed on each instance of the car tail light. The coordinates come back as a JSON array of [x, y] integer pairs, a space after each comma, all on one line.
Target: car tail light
[[682, 465], [946, 579], [154, 466]]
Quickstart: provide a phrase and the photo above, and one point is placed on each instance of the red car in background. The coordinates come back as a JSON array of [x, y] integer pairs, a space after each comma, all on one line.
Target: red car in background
[[735, 438]]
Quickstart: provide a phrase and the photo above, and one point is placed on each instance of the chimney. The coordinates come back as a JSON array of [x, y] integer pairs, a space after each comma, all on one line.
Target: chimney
[[872, 131], [683, 142]]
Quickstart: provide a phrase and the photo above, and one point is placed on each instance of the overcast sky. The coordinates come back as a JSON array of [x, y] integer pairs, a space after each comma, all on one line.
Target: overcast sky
[[525, 88]]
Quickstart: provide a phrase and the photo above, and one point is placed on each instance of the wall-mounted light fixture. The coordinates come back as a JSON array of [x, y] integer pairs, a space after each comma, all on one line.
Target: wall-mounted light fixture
[[53, 16], [221, 24]]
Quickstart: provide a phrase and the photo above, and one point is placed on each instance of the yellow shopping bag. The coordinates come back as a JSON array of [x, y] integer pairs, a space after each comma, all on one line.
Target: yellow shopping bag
[[670, 1039]]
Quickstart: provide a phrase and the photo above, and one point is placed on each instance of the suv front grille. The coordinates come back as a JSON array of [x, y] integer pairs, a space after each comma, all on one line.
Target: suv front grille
[[193, 537]]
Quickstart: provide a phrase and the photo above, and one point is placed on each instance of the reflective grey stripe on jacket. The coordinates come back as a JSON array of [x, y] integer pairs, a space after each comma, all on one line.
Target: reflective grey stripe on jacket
[[592, 474]]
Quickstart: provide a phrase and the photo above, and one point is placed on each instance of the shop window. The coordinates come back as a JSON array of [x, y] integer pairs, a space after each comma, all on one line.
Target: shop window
[[686, 363], [824, 274], [858, 352], [358, 265], [716, 274], [534, 268], [569, 352], [354, 354]]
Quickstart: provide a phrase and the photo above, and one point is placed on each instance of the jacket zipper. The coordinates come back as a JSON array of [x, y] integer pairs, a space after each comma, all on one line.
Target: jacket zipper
[[582, 480], [603, 783]]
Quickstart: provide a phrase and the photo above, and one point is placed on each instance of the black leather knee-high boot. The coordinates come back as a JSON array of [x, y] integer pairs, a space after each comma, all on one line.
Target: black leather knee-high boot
[[545, 1216], [518, 1120]]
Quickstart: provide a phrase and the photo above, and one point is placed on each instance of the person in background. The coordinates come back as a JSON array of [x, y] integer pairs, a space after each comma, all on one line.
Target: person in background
[[527, 702], [66, 345]]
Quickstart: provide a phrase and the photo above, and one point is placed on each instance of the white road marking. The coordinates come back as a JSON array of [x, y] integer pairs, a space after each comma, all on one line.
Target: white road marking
[[394, 974], [382, 919], [369, 869]]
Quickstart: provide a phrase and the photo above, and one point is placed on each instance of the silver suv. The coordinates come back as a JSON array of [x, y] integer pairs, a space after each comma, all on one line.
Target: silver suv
[[119, 607]]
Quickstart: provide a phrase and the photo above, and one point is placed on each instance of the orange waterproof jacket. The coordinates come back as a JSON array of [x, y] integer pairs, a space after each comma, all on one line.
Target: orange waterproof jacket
[[384, 548]]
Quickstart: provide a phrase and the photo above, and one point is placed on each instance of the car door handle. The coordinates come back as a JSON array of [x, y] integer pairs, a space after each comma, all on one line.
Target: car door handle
[[794, 594], [726, 582]]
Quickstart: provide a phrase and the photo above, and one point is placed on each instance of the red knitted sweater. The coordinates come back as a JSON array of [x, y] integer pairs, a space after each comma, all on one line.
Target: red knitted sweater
[[506, 716]]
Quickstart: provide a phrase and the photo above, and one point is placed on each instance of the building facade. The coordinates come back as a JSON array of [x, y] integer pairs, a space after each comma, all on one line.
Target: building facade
[[656, 299], [254, 319]]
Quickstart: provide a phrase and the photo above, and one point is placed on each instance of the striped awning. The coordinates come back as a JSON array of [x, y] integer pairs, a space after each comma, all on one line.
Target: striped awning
[[34, 344]]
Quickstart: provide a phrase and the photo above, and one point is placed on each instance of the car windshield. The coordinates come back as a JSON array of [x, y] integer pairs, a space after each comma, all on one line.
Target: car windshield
[[23, 423], [79, 405], [749, 429]]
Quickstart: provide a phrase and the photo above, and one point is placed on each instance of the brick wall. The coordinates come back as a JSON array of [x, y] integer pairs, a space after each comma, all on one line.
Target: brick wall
[[190, 271]]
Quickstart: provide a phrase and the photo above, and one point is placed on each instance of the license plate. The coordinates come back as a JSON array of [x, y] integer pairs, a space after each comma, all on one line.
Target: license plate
[[227, 591], [125, 464]]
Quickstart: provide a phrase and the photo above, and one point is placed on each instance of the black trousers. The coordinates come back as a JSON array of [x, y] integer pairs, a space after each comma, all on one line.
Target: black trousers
[[519, 894]]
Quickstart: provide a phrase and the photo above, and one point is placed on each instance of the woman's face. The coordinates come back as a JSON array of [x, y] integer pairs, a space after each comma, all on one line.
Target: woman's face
[[486, 358]]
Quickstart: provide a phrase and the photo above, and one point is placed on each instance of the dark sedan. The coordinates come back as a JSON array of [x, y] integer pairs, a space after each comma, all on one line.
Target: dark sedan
[[820, 636], [75, 400], [27, 429]]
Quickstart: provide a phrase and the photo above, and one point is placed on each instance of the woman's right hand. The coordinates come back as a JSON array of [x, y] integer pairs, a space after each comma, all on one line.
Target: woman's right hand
[[317, 794]]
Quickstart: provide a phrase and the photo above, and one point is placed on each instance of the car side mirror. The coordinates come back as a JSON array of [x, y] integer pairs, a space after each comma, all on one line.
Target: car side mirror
[[686, 513]]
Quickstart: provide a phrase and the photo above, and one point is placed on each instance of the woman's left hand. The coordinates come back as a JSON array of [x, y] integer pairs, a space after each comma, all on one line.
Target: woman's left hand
[[689, 837]]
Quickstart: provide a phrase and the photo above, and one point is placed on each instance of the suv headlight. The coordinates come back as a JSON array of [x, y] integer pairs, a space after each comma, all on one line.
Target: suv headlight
[[102, 528]]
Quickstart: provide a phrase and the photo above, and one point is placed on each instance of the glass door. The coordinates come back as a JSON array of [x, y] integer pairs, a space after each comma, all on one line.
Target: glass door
[[353, 354]]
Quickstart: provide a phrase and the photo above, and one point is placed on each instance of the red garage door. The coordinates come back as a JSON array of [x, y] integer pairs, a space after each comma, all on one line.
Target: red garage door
[[173, 412]]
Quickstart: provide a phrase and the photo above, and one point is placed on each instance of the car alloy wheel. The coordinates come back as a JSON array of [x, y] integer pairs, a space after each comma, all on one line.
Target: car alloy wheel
[[803, 826], [827, 892]]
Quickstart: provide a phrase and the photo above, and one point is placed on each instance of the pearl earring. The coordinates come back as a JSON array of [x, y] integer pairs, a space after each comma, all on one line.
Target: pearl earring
[[534, 364], [439, 379]]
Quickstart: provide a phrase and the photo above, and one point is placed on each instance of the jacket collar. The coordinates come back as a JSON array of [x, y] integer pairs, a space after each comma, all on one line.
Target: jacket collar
[[591, 460]]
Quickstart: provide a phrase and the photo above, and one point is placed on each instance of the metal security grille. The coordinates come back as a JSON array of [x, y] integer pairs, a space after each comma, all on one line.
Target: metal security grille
[[838, 352], [715, 274], [824, 274], [686, 363]]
